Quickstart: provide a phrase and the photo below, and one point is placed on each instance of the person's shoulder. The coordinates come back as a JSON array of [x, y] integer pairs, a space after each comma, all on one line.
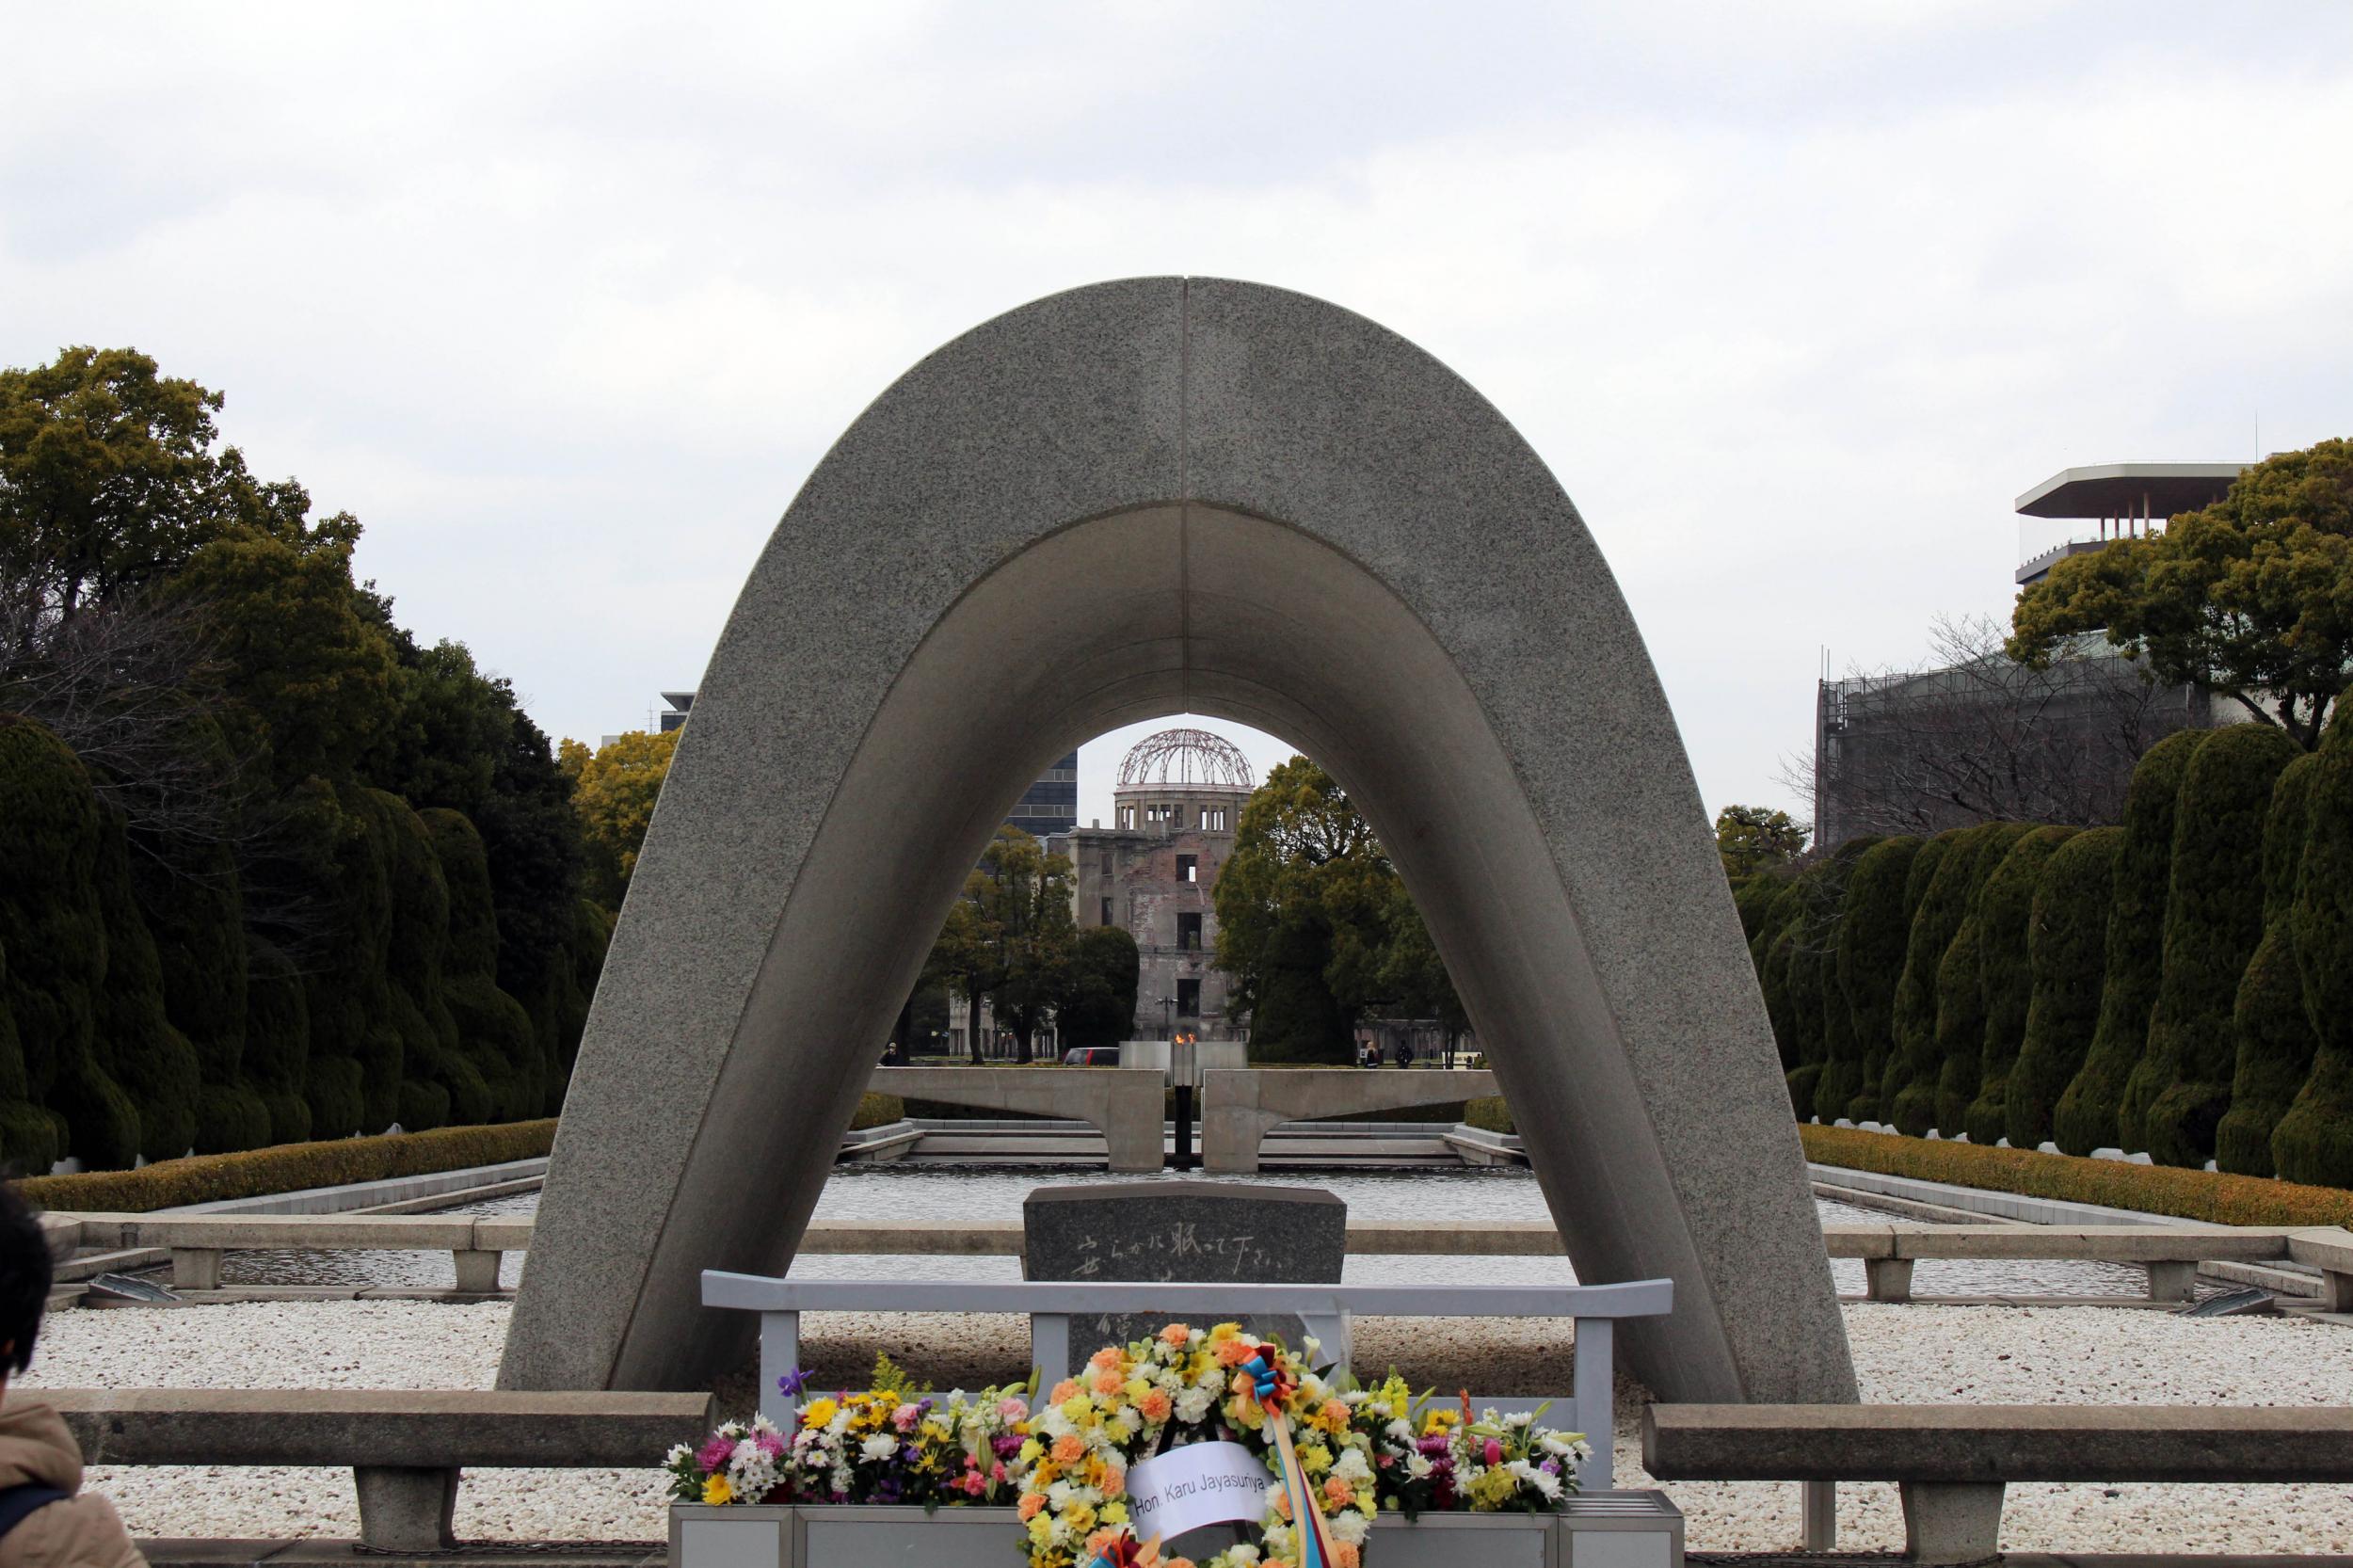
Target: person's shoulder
[[80, 1531]]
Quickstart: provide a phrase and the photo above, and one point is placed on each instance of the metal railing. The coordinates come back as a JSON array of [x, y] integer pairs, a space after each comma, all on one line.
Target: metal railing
[[1325, 1309]]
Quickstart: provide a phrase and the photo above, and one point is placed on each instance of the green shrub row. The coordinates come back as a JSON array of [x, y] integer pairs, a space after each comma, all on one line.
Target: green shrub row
[[289, 1167], [2216, 1196], [2182, 984], [139, 1018]]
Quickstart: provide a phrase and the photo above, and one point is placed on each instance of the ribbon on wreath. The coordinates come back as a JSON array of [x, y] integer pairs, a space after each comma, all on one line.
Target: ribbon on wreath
[[1126, 1551], [1271, 1386]]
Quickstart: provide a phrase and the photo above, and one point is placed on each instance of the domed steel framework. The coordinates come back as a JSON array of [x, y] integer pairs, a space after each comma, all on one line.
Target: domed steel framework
[[1186, 758]]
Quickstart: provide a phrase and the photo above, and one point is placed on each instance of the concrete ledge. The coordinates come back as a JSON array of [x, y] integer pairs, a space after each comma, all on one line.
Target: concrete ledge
[[436, 1429], [1983, 1443]]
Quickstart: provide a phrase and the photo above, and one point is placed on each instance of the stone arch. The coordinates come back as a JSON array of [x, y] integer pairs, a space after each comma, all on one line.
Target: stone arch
[[1137, 498]]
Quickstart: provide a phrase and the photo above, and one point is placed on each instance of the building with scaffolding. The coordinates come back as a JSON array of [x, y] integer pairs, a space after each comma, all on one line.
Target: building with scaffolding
[[1982, 738]]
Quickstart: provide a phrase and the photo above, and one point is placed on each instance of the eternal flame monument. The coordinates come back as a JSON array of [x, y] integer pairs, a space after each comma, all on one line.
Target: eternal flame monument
[[1164, 495]]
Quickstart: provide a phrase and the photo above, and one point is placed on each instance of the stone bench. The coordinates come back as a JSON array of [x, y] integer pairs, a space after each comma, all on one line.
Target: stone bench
[[1951, 1462], [405, 1450], [196, 1241], [2171, 1254]]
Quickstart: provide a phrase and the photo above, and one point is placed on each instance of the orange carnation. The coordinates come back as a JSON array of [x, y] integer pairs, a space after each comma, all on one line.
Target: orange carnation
[[1031, 1503], [1069, 1448], [1154, 1404], [1063, 1390], [1233, 1352]]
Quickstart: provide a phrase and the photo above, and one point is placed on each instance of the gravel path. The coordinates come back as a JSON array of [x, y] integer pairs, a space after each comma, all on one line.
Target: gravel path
[[2000, 1355]]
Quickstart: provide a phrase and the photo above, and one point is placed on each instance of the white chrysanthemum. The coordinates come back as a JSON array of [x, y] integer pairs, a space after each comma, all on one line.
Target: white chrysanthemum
[[1350, 1526], [840, 1422], [1418, 1466], [1519, 1418], [1129, 1421], [1352, 1467], [678, 1452], [1058, 1495], [1243, 1556], [1400, 1429], [762, 1423], [1194, 1403], [880, 1445], [1555, 1444]]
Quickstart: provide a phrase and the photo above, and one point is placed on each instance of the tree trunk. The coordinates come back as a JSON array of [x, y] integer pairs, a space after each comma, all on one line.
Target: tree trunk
[[972, 1027]]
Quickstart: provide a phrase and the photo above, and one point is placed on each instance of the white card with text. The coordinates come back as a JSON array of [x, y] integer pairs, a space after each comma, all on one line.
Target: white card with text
[[1201, 1484]]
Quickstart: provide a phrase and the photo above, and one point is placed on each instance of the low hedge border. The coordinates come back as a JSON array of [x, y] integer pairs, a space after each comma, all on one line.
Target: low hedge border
[[877, 1110], [288, 1168], [2213, 1196], [1489, 1115], [2216, 1197]]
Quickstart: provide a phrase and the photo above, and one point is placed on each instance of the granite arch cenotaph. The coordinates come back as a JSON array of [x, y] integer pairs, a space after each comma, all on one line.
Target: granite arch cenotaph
[[1137, 498]]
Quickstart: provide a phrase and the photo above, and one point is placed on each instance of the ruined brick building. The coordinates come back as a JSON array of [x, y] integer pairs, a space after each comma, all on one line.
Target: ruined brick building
[[1154, 870]]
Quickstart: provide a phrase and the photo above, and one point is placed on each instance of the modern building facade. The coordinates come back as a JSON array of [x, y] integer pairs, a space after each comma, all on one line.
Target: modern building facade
[[1051, 804], [1154, 872]]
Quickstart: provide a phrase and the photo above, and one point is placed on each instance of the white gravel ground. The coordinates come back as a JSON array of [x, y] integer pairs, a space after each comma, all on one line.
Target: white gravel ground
[[2000, 1355]]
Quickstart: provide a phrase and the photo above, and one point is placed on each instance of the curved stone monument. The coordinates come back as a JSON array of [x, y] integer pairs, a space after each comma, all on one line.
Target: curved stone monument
[[1179, 495]]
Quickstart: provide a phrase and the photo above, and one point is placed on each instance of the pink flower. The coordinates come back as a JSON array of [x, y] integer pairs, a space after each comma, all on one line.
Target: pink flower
[[905, 1416], [996, 1471], [770, 1444], [716, 1452], [1012, 1410], [1495, 1451], [974, 1485]]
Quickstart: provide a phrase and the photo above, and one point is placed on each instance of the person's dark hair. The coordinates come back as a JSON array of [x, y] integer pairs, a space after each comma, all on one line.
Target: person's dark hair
[[25, 1278]]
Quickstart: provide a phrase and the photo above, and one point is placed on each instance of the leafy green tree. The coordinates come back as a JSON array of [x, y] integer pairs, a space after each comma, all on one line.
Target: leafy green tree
[[1101, 1006], [2005, 975], [310, 677], [2181, 1087], [2251, 599], [1751, 837], [278, 1040], [613, 790], [2086, 1118], [1311, 927], [1874, 927], [1010, 938], [2274, 1039], [106, 479], [2067, 953]]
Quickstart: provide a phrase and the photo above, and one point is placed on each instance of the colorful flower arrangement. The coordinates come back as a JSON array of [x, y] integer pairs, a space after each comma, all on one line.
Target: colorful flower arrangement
[[891, 1443], [1063, 1461]]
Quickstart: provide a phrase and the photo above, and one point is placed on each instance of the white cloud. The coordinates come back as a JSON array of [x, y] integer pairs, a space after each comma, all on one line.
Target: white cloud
[[564, 302]]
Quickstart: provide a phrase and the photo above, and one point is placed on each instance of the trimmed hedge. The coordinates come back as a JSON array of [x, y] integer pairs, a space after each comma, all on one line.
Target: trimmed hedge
[[1874, 924], [1911, 1014], [1489, 1115], [1923, 1030], [134, 1042], [2006, 984], [2314, 1140], [877, 1110], [1961, 987], [2274, 1040], [2214, 919], [2067, 950], [289, 1167], [2086, 1114], [2210, 1195]]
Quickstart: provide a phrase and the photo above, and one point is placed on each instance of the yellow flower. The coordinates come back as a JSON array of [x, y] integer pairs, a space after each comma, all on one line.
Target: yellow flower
[[1041, 1527], [716, 1491], [1317, 1458], [1031, 1448], [1076, 1408], [1223, 1332], [819, 1412], [1114, 1513], [1082, 1518]]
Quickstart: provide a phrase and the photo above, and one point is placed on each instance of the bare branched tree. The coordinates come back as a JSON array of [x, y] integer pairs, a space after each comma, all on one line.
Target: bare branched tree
[[1979, 737]]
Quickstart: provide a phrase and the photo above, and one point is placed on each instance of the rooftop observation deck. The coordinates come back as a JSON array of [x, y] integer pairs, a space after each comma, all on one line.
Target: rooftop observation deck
[[2128, 500]]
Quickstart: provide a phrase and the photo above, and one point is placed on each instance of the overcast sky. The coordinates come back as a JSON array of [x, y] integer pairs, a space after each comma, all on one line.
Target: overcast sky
[[564, 302]]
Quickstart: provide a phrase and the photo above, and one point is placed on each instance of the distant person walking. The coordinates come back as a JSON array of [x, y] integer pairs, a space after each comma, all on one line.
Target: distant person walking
[[46, 1519]]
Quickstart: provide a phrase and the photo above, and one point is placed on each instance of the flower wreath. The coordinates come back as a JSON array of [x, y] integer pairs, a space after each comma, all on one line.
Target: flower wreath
[[1187, 1385]]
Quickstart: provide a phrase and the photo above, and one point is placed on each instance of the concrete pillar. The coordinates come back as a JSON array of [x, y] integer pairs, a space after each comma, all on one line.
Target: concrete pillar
[[1817, 1504], [478, 1271], [2173, 1282], [1230, 1136], [1947, 1523], [195, 1268], [1887, 1279], [405, 1510], [2336, 1292]]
